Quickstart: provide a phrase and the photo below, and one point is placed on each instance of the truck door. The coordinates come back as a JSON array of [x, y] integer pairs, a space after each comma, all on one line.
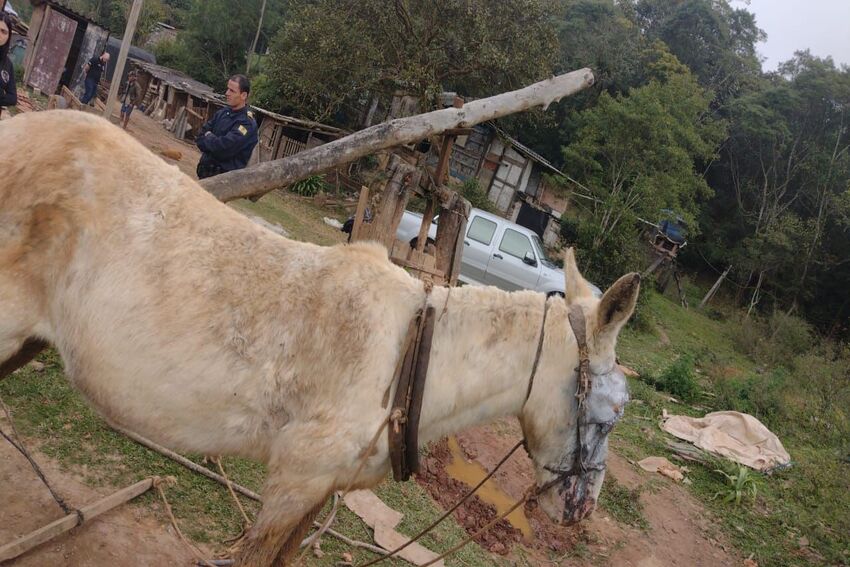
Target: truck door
[[513, 263], [476, 249]]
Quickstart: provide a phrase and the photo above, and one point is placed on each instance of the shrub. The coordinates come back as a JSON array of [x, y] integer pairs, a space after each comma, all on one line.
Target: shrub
[[569, 230], [309, 186], [739, 482], [678, 379], [776, 341], [471, 190], [761, 395]]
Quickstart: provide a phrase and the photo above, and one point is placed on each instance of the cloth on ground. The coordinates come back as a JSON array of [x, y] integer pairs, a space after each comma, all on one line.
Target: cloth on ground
[[736, 436]]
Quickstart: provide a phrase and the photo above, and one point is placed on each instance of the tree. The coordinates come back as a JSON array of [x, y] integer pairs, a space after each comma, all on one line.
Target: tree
[[782, 182], [333, 55], [716, 42], [636, 154]]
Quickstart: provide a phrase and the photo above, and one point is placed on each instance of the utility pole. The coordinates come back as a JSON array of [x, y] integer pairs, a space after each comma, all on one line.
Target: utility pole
[[129, 31], [256, 37]]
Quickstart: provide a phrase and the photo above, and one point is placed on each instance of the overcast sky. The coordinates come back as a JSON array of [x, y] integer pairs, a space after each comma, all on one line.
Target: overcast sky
[[822, 26]]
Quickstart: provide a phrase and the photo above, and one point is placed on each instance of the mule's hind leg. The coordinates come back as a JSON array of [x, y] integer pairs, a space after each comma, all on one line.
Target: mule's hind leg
[[287, 513], [293, 543]]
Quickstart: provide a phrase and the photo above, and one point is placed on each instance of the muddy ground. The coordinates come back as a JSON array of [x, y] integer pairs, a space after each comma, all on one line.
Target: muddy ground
[[678, 533]]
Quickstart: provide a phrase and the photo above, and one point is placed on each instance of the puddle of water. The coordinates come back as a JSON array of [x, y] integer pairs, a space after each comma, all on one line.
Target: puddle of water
[[471, 473]]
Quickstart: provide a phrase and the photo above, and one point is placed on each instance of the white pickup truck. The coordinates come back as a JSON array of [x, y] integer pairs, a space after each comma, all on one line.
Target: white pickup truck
[[497, 252]]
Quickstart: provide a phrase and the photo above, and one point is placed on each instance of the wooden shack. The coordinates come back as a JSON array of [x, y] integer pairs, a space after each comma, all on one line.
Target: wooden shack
[[282, 136], [60, 41]]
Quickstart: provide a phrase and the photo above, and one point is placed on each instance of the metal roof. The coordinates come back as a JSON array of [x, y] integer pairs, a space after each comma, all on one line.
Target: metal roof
[[528, 152], [303, 124], [178, 80], [63, 7]]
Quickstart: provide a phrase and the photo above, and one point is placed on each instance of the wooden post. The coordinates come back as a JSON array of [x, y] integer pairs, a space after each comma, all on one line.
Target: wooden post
[[264, 177], [427, 218], [71, 521], [714, 288], [34, 38], [122, 57], [450, 234], [362, 203]]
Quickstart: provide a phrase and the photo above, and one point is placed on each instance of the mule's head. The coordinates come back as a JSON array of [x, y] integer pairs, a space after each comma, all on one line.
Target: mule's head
[[567, 443]]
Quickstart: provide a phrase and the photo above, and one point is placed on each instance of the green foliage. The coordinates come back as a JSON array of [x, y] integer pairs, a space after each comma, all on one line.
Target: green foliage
[[569, 230], [761, 395], [637, 154], [217, 37], [678, 379], [309, 186], [471, 190], [333, 55], [740, 483]]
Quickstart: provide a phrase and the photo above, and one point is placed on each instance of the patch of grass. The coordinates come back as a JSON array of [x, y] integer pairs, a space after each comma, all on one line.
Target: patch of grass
[[299, 217], [623, 503], [809, 502], [51, 416]]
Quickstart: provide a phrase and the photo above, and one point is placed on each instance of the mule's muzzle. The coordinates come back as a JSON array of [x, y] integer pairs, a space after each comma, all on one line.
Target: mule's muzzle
[[579, 498]]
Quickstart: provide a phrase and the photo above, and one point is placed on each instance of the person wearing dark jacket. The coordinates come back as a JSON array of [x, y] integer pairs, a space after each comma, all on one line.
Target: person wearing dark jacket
[[94, 70], [226, 141], [8, 91]]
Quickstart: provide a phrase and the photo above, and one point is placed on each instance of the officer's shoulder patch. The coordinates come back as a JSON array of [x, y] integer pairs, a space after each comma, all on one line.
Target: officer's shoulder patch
[[243, 130], [250, 114]]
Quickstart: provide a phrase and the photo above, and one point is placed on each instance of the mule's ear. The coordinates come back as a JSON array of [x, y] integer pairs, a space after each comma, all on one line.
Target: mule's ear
[[576, 285], [618, 304]]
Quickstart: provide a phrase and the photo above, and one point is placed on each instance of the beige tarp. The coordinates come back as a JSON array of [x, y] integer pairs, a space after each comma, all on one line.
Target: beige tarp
[[736, 436]]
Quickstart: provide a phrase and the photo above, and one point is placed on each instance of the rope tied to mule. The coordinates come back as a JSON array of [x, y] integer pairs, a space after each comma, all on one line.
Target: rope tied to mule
[[18, 444]]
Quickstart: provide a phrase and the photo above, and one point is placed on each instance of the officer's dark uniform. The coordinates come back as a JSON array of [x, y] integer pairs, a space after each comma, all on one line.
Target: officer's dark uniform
[[226, 141]]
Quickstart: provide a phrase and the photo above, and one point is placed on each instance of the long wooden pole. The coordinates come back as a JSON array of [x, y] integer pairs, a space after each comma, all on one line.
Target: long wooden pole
[[129, 31], [71, 521], [186, 462], [267, 176], [708, 296]]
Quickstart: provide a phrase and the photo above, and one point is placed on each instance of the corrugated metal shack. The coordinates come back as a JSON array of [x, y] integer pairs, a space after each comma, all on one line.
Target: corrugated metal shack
[[512, 175], [282, 136], [60, 41], [184, 104]]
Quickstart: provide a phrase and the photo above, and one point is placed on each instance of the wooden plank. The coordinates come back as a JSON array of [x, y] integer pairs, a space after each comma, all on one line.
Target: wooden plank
[[33, 39], [69, 522], [449, 241], [427, 219], [362, 203], [71, 98], [52, 50]]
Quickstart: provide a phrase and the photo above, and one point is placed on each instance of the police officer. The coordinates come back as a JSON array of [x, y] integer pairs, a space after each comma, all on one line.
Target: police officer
[[226, 141]]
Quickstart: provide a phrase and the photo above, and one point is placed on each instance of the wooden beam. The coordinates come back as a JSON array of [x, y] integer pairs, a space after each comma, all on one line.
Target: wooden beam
[[264, 177], [71, 521], [129, 31]]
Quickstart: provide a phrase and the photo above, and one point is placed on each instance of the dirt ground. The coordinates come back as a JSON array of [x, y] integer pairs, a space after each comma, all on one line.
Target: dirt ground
[[678, 532], [129, 534]]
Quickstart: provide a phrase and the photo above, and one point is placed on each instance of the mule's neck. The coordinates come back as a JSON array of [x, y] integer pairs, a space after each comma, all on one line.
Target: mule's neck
[[484, 347]]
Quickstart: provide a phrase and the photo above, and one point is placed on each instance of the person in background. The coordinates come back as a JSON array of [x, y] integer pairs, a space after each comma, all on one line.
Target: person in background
[[94, 70], [226, 141], [8, 91], [132, 97]]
